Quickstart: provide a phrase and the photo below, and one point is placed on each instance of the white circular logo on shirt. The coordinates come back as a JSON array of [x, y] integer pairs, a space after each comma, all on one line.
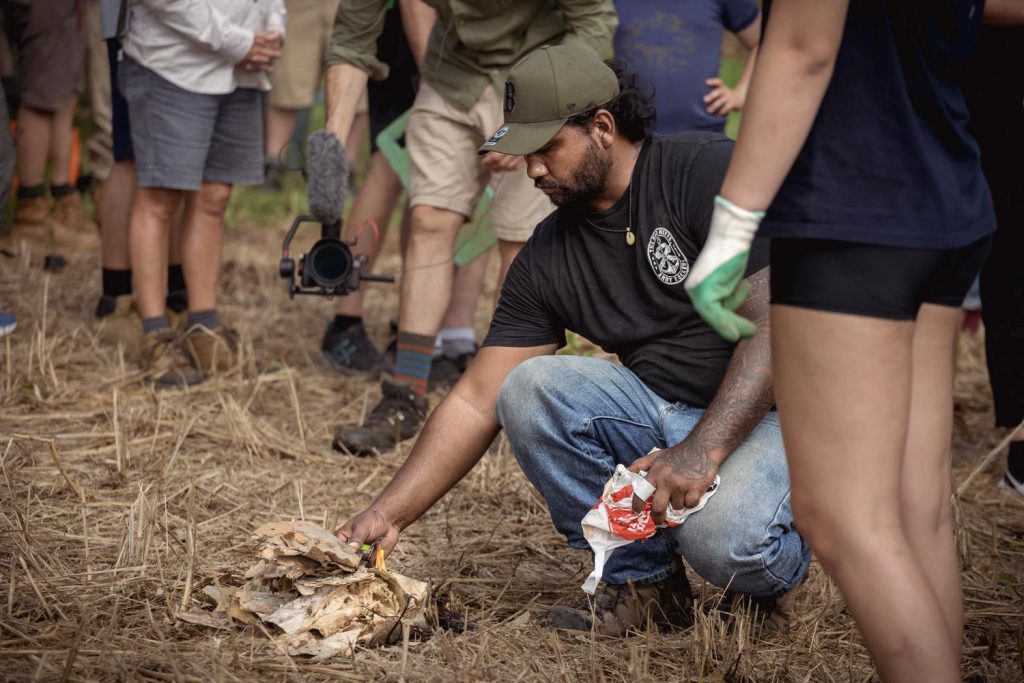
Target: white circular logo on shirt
[[666, 258]]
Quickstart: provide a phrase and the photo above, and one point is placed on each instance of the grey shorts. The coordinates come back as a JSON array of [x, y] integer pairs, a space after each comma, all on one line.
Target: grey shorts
[[183, 138]]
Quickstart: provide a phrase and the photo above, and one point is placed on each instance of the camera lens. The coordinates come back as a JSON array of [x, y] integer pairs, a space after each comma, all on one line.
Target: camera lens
[[329, 262]]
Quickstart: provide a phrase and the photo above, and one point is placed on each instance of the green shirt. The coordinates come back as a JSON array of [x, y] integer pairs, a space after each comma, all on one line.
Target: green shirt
[[473, 42]]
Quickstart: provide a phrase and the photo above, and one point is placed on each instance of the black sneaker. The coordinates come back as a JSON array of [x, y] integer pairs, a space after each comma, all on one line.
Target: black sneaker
[[618, 609], [397, 417], [446, 371], [351, 352]]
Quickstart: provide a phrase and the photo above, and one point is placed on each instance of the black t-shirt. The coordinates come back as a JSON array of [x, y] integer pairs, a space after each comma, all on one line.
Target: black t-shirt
[[889, 160], [629, 299]]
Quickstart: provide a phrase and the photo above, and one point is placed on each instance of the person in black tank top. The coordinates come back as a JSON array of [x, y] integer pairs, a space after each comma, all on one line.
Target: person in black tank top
[[855, 158]]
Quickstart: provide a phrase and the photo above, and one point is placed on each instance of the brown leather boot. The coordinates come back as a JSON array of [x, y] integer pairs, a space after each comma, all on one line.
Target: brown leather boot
[[212, 351], [621, 608], [68, 211], [32, 210], [118, 322], [166, 361], [397, 417]]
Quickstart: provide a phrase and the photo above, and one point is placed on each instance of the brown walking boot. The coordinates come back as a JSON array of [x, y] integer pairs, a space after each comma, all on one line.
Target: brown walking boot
[[621, 608], [68, 211], [32, 210], [397, 417], [118, 322], [166, 361], [212, 351]]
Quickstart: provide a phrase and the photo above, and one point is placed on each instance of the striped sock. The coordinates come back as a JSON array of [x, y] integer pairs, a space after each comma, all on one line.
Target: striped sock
[[412, 362]]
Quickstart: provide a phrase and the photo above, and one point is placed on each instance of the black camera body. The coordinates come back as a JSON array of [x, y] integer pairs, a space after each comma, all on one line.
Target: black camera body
[[329, 268]]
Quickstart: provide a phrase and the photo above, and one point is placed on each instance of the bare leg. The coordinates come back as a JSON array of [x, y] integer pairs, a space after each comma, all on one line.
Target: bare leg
[[926, 488], [114, 213], [280, 123], [175, 242], [428, 273], [150, 226], [843, 386], [60, 142], [356, 137], [508, 251], [34, 128], [202, 235], [375, 202], [469, 282]]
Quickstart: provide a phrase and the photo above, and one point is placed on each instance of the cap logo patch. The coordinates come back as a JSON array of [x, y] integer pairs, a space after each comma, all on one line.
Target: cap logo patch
[[510, 97], [570, 107], [498, 134]]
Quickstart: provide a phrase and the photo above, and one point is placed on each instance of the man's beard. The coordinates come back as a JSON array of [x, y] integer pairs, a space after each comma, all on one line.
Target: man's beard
[[590, 179]]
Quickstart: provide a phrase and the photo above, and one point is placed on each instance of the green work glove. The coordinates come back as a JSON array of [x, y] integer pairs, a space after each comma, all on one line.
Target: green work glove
[[715, 283]]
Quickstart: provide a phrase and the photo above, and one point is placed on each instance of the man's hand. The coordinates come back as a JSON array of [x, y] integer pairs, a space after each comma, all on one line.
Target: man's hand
[[496, 162], [715, 283], [369, 526], [266, 47], [680, 475], [722, 99]]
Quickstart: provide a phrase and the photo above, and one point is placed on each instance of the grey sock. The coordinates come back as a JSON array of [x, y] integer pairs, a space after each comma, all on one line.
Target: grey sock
[[154, 324], [208, 319]]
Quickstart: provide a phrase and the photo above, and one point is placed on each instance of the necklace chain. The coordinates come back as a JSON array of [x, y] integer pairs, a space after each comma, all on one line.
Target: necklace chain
[[630, 237]]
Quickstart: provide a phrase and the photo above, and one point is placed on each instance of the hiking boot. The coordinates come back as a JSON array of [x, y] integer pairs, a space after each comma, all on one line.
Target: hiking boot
[[118, 322], [166, 362], [774, 614], [68, 211], [621, 608], [351, 352], [32, 210], [397, 417], [212, 351], [446, 371]]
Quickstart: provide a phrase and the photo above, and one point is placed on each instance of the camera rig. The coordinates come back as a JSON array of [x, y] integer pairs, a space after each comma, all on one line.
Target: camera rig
[[329, 268]]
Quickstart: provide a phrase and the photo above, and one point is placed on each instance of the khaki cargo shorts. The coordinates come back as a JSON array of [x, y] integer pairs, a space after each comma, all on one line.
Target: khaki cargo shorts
[[297, 73], [445, 170]]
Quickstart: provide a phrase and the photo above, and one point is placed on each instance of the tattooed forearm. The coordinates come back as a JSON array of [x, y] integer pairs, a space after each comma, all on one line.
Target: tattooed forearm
[[745, 395]]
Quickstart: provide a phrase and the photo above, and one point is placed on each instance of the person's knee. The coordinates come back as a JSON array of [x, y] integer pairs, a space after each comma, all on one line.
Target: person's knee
[[927, 518], [748, 559], [519, 395], [213, 198], [433, 224], [158, 203]]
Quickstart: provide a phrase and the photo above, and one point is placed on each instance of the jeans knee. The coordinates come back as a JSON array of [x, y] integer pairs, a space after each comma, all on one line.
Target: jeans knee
[[519, 394]]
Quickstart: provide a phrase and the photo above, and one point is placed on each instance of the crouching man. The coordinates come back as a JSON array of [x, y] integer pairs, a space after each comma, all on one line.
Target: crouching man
[[609, 264]]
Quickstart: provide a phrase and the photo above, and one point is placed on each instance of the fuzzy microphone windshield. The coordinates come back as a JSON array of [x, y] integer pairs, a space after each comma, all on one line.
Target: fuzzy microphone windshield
[[327, 177]]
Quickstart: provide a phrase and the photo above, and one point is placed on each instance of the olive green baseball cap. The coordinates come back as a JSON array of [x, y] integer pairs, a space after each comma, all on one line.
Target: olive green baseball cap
[[545, 88]]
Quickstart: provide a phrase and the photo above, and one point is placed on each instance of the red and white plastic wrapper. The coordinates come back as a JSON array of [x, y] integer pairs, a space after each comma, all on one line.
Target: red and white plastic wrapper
[[612, 522]]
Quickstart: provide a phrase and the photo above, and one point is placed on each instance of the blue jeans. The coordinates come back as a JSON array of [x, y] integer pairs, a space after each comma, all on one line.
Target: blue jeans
[[571, 420]]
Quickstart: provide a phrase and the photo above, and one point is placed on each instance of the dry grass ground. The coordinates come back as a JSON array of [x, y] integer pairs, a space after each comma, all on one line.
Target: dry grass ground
[[118, 503]]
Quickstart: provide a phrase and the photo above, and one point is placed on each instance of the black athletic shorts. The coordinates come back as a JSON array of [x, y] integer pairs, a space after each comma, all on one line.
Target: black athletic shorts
[[392, 97], [870, 280]]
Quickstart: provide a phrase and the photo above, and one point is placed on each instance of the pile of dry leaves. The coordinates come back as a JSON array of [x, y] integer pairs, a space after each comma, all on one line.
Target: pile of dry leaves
[[317, 594]]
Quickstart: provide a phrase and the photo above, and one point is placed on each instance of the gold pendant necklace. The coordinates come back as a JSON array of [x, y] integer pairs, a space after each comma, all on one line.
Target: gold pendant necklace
[[630, 235]]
